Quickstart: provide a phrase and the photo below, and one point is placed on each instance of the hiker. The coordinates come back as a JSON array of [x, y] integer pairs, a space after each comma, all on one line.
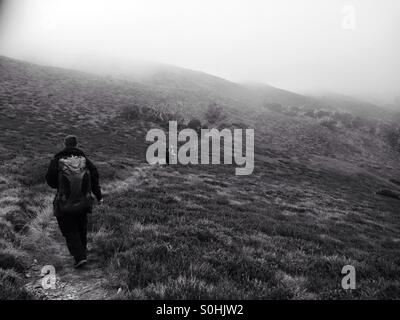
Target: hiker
[[75, 177]]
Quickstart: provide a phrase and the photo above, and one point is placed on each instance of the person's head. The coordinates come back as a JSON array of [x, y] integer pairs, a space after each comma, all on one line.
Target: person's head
[[70, 141]]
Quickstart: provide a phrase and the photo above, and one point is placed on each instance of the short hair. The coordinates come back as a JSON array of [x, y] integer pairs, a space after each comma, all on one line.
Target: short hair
[[70, 141]]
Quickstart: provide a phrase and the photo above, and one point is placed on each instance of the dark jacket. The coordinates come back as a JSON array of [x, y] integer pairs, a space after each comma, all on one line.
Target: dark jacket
[[52, 172]]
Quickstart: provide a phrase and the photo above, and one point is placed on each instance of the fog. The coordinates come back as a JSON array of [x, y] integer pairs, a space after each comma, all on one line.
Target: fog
[[349, 47]]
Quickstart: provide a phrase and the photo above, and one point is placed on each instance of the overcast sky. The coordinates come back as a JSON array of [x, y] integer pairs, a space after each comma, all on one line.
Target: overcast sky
[[305, 45]]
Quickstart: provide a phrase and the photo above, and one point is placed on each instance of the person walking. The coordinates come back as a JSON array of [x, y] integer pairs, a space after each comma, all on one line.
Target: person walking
[[75, 177]]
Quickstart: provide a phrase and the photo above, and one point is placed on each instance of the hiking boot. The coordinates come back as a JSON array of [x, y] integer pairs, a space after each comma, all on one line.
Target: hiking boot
[[80, 263]]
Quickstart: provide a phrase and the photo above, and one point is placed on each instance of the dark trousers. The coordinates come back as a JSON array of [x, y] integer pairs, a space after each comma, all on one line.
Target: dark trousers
[[74, 230]]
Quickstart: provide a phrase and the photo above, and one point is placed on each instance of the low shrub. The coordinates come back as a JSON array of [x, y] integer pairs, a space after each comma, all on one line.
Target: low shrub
[[11, 286]]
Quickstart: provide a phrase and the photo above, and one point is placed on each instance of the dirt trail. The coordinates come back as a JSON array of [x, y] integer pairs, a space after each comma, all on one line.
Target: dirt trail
[[71, 284], [83, 284]]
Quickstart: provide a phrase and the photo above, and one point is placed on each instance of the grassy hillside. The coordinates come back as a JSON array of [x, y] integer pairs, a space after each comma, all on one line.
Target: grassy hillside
[[309, 208]]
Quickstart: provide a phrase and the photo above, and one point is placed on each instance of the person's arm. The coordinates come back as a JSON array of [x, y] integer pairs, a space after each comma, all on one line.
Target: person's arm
[[51, 175], [94, 177]]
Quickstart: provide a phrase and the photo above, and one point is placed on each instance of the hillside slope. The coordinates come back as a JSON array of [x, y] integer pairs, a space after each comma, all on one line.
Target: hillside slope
[[187, 232]]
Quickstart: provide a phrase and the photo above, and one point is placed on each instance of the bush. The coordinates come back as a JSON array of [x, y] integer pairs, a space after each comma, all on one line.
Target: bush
[[11, 286], [346, 119], [13, 259], [20, 218], [309, 113], [164, 112], [6, 231], [195, 124], [329, 123], [214, 113]]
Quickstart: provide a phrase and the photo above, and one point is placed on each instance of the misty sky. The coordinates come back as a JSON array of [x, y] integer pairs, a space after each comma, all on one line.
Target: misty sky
[[305, 45]]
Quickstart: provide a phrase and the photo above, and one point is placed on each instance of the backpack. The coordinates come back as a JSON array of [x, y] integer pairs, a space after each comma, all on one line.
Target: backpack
[[74, 186]]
